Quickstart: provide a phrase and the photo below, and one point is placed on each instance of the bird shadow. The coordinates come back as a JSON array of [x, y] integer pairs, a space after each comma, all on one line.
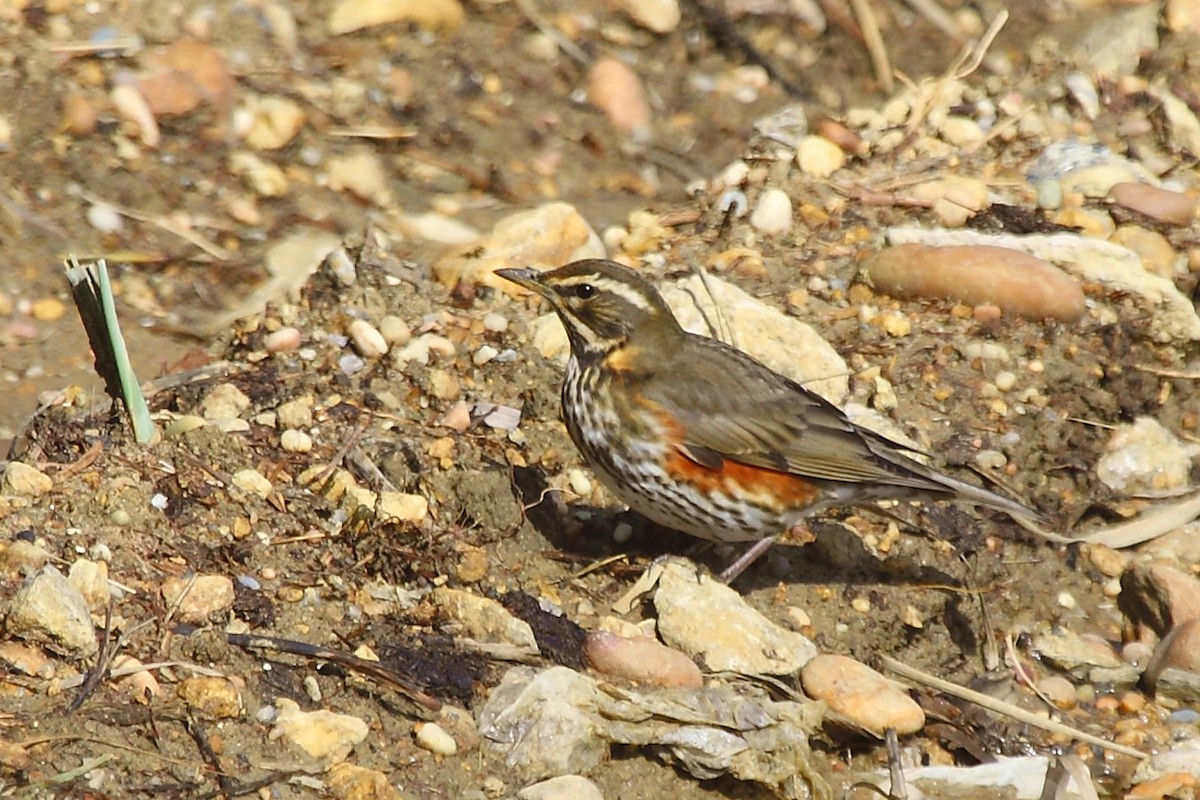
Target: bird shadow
[[838, 554]]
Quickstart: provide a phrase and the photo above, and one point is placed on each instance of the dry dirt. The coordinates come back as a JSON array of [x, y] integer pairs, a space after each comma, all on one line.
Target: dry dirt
[[960, 571]]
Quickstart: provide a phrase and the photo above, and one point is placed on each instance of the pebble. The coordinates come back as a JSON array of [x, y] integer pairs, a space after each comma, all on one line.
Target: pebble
[[361, 173], [1109, 562], [977, 274], [402, 506], [861, 695], [717, 628], [961, 132], [90, 579], [105, 218], [395, 331], [351, 782], [458, 418], [1144, 458], [225, 401], [496, 323], [211, 697], [773, 213], [295, 441], [1157, 255], [47, 609], [640, 659], [484, 354], [252, 481], [274, 122], [1158, 596], [1174, 208], [432, 737], [284, 340], [615, 89], [142, 684], [547, 236], [579, 482], [1180, 649], [819, 157], [434, 15], [22, 480], [1059, 691], [297, 413], [368, 341], [483, 618], [562, 787], [323, 735], [209, 597], [659, 16]]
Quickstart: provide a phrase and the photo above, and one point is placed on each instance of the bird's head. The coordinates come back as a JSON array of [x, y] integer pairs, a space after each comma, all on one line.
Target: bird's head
[[602, 304]]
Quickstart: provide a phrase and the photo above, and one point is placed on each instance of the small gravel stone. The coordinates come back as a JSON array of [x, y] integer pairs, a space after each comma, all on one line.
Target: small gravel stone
[[22, 556], [1059, 691], [1144, 458], [211, 697], [104, 218], [395, 330], [1175, 208], [207, 596], [977, 274], [321, 734], [483, 355], [861, 695], [563, 787], [295, 441], [252, 481], [402, 506], [431, 736], [1180, 650], [225, 401], [22, 480], [617, 90], [296, 413], [579, 482], [496, 323], [368, 341], [819, 157], [1005, 380], [773, 213], [49, 610], [48, 309], [284, 340], [641, 659]]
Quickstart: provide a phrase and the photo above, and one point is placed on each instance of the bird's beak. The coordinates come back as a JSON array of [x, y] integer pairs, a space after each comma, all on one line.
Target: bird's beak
[[528, 278]]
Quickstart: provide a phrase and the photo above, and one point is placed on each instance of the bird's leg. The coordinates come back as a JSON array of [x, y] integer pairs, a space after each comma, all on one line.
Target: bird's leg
[[798, 534], [743, 562]]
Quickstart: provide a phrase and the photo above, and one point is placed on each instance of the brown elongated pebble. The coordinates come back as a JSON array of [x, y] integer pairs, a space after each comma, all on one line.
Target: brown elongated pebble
[[861, 695], [616, 90], [978, 275], [640, 659], [1165, 205]]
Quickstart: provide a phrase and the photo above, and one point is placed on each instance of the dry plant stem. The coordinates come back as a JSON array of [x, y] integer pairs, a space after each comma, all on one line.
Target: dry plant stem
[[898, 789], [875, 47], [1007, 709], [168, 225]]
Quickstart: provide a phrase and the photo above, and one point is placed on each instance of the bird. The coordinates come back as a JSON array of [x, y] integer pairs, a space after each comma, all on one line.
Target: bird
[[700, 437]]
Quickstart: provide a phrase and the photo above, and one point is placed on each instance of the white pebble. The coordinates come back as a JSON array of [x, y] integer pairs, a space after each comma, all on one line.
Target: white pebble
[[104, 218], [496, 323], [773, 214], [622, 533], [430, 736], [368, 341], [1066, 600], [579, 482], [283, 340], [484, 354], [819, 157], [395, 330], [295, 441], [991, 459], [1005, 380]]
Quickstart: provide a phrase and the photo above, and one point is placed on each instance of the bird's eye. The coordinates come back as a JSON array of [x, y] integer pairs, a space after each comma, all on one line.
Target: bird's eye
[[585, 291]]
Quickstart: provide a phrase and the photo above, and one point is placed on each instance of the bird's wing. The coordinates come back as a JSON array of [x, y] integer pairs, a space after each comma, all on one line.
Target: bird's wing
[[729, 406]]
